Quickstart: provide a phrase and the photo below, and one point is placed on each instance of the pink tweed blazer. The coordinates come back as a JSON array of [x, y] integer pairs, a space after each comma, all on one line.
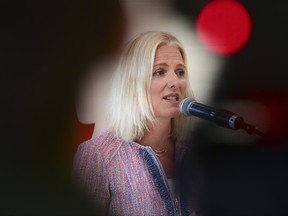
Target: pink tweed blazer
[[123, 178]]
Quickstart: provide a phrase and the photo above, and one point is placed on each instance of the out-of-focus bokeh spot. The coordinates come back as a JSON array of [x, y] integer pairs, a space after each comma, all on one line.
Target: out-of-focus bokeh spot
[[223, 26]]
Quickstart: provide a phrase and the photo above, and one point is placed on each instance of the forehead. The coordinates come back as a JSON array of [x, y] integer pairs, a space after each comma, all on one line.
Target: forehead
[[168, 52]]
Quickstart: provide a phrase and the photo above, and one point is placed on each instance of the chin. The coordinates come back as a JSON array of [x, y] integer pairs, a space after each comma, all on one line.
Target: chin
[[175, 114], [169, 114]]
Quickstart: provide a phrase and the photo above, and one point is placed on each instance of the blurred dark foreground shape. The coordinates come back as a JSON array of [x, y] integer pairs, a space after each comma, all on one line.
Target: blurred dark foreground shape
[[251, 178], [46, 46]]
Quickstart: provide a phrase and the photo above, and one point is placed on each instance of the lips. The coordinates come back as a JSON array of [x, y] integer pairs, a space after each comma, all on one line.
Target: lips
[[172, 97]]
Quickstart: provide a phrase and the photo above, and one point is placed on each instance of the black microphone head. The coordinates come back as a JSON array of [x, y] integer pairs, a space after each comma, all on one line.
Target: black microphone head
[[184, 106]]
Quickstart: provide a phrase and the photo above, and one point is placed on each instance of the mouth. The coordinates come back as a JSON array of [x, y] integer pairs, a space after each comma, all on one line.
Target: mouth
[[172, 97]]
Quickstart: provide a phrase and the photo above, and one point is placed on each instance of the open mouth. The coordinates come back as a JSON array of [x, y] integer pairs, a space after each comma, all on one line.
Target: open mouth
[[175, 98]]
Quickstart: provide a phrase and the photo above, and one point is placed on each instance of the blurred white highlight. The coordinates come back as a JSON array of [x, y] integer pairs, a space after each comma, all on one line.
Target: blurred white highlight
[[143, 15]]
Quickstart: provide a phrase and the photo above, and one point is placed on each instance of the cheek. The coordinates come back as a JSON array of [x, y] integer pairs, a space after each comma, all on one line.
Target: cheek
[[183, 85], [155, 88], [153, 93]]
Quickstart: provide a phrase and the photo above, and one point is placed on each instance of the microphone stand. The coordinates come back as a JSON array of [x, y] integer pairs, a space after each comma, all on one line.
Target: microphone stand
[[251, 129]]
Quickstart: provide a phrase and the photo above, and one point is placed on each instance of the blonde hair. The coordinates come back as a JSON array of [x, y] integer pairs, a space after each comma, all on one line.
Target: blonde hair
[[130, 96]]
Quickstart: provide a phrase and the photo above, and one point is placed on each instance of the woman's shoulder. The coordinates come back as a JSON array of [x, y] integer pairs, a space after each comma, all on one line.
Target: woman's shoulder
[[104, 143]]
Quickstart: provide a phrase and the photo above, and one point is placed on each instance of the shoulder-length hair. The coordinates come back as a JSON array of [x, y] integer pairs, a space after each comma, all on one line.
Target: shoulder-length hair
[[130, 101]]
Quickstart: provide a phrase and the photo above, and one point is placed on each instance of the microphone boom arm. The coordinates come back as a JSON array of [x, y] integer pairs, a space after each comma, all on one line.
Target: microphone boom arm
[[223, 118]]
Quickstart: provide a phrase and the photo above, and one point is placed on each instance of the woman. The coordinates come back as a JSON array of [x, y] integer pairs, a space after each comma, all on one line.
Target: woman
[[130, 169]]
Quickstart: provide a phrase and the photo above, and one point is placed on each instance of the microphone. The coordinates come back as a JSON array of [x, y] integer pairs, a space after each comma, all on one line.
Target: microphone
[[189, 107]]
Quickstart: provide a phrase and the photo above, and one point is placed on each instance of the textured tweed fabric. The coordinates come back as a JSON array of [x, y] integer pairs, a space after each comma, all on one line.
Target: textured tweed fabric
[[123, 178]]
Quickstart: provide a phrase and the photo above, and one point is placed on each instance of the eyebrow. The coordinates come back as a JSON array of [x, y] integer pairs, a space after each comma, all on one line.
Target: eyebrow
[[182, 65], [161, 64], [164, 64]]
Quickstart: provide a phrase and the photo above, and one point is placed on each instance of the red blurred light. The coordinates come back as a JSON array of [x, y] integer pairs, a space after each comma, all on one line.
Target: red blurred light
[[224, 26]]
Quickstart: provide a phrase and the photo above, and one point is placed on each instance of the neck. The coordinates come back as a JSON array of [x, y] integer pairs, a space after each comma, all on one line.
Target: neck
[[158, 135]]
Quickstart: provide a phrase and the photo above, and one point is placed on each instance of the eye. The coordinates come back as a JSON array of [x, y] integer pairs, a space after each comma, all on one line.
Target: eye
[[180, 73], [159, 72]]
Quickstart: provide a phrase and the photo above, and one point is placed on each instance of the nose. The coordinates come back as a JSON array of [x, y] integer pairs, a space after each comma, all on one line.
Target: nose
[[173, 81]]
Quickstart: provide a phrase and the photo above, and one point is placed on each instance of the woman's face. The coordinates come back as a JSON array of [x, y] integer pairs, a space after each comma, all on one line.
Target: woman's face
[[168, 83]]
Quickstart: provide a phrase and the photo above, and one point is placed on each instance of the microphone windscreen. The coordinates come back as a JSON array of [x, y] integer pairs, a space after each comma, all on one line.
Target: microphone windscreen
[[184, 106]]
